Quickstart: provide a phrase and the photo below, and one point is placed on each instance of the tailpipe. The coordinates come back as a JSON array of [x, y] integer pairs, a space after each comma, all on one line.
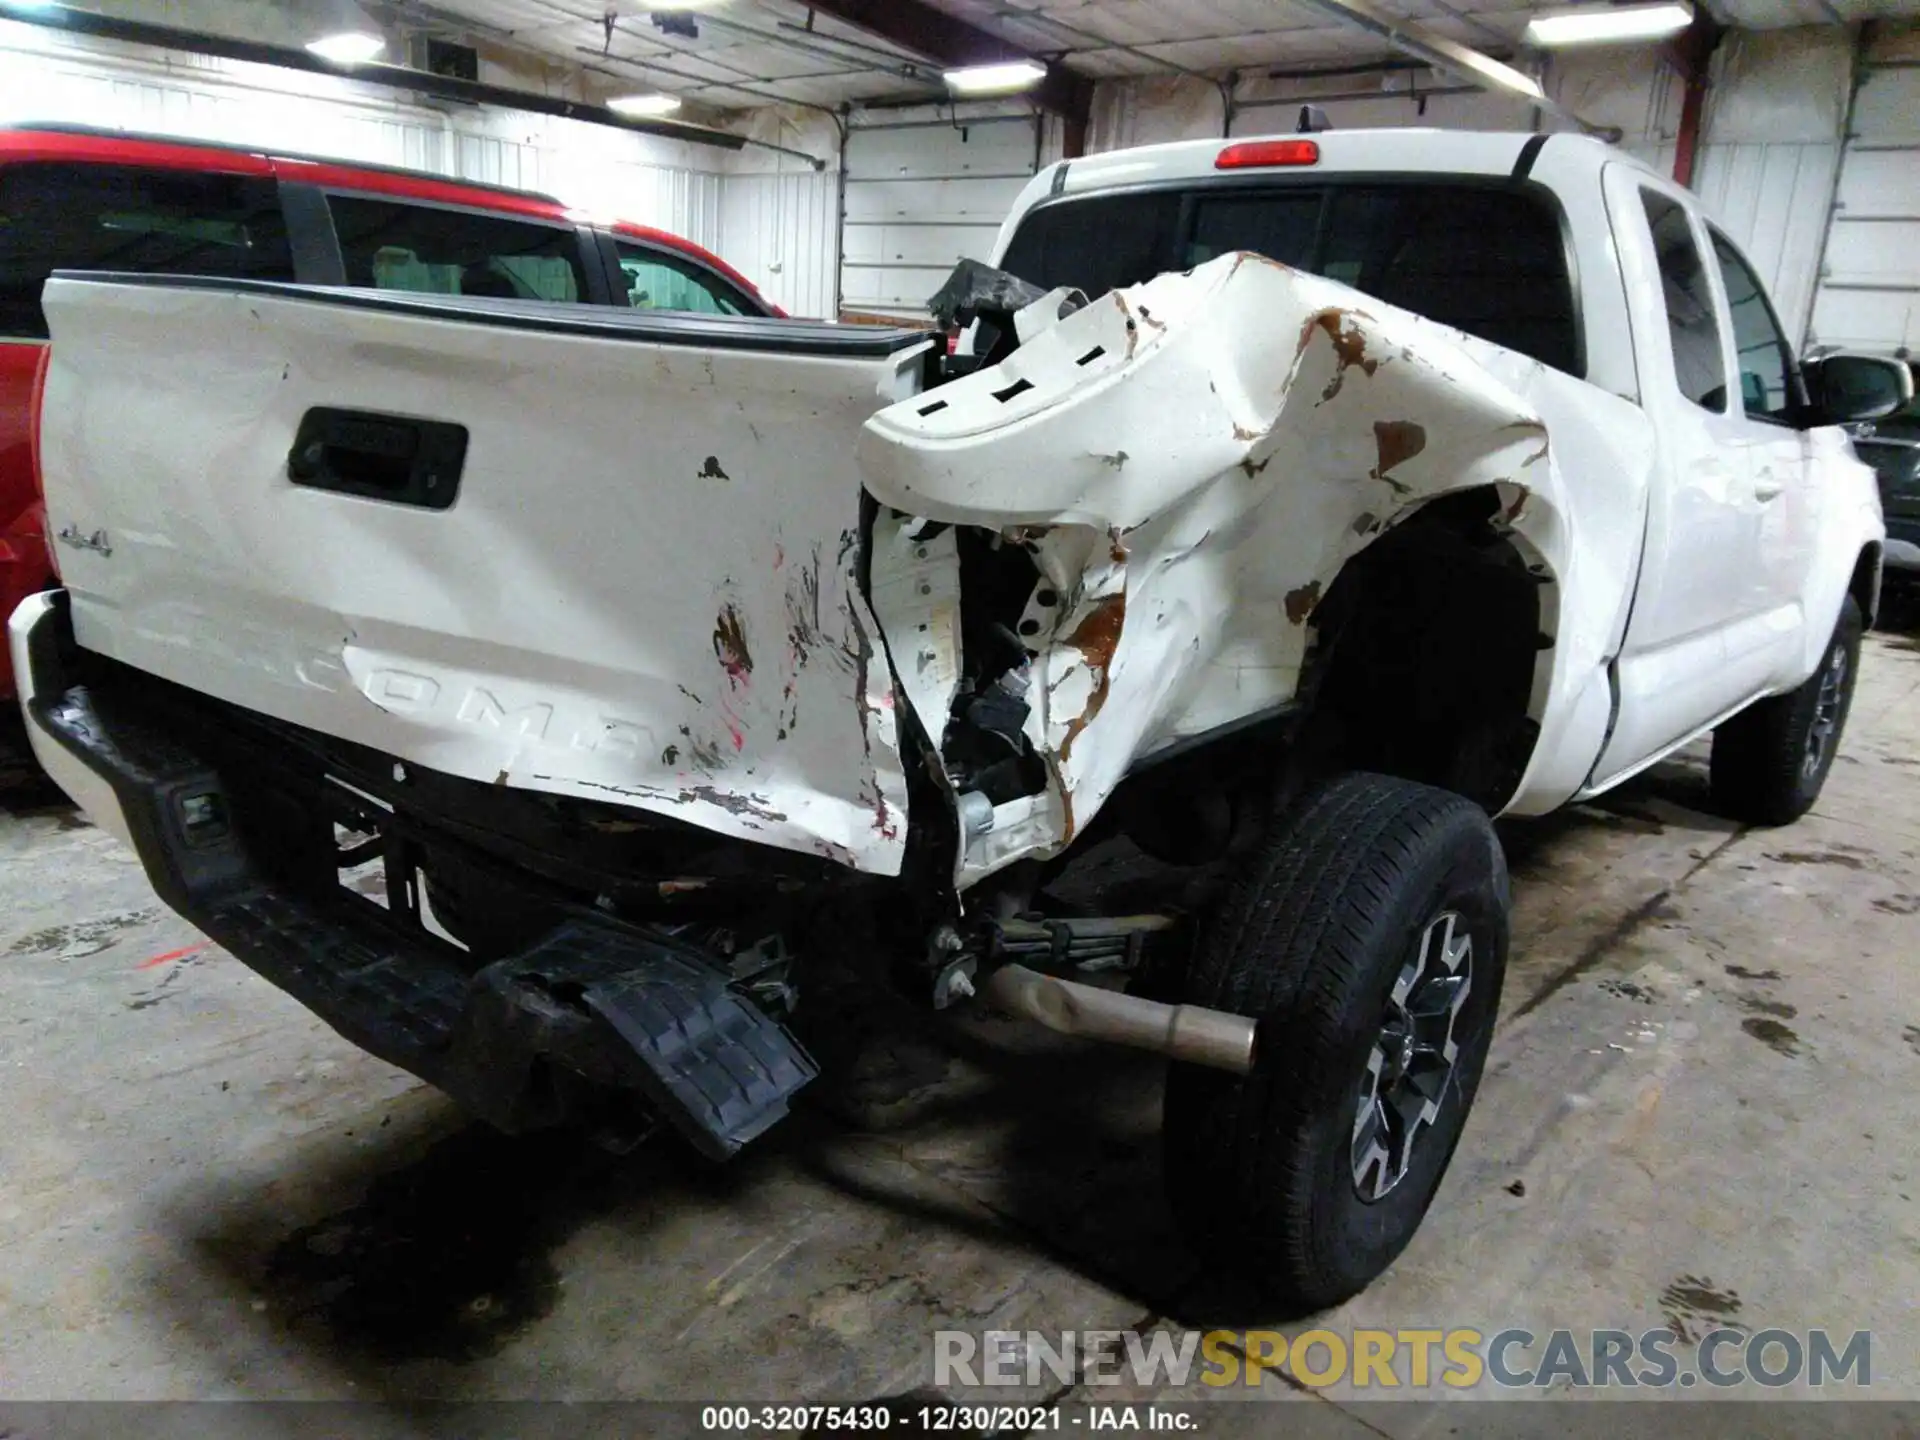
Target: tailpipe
[[1189, 1033]]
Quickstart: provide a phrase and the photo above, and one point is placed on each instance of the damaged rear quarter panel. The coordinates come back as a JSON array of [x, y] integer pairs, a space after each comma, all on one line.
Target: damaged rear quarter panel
[[1198, 456]]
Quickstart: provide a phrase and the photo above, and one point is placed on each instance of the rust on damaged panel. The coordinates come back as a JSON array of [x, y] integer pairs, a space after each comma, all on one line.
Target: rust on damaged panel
[[1300, 602], [1397, 441], [1096, 638], [1349, 347]]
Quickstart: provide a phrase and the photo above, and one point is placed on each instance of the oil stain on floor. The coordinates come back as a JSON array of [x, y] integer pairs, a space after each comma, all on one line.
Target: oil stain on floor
[[1693, 1305], [450, 1256], [1773, 1033], [83, 937]]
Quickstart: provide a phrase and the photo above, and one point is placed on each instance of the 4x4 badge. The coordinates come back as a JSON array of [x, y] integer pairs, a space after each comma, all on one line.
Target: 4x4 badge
[[96, 541]]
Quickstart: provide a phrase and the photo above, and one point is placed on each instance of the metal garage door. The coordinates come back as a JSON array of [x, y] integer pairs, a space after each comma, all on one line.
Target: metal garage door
[[921, 196], [1869, 294]]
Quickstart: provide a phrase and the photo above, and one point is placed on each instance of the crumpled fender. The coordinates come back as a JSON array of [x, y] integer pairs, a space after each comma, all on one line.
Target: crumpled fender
[[1193, 460]]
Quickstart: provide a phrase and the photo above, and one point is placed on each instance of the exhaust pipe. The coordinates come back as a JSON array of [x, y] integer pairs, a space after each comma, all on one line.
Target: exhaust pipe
[[1189, 1033]]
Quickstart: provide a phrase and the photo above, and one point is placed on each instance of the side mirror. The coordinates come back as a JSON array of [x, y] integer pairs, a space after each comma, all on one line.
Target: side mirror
[[1844, 389]]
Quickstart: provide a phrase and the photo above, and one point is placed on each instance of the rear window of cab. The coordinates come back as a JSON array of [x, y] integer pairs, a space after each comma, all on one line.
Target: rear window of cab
[[1492, 260]]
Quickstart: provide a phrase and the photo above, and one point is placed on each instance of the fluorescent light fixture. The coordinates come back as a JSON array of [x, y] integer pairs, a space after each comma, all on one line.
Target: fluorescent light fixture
[[987, 79], [29, 7], [349, 47], [1598, 24], [642, 105]]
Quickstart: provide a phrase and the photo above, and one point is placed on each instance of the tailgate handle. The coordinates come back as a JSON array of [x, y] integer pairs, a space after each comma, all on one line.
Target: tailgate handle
[[379, 457]]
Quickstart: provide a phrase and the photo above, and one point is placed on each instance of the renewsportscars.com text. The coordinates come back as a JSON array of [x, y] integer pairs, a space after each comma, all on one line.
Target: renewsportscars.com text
[[1414, 1359]]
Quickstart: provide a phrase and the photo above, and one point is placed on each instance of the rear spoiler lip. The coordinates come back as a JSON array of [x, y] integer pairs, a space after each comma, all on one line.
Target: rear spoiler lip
[[706, 332]]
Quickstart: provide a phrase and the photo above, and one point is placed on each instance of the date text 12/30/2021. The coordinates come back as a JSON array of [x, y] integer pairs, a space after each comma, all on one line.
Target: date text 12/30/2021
[[947, 1419]]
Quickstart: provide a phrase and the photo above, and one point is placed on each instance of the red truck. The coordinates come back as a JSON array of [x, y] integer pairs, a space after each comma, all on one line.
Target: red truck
[[79, 199]]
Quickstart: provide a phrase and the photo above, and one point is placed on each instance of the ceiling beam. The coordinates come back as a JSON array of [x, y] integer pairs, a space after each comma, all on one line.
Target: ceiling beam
[[951, 43]]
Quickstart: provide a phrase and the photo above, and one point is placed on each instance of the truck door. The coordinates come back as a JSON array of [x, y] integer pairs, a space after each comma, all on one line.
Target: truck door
[[1769, 406], [1701, 612]]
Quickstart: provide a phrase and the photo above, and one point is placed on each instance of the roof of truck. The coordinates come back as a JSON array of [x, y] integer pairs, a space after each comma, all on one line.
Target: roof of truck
[[1385, 151]]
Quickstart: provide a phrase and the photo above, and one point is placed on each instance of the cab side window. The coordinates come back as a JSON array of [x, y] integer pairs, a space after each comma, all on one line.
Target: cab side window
[[1760, 350], [656, 280], [392, 245], [1692, 324], [124, 217]]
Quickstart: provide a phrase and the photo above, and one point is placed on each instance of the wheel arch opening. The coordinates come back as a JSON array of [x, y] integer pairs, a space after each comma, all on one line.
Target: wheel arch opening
[[1432, 653], [1864, 585]]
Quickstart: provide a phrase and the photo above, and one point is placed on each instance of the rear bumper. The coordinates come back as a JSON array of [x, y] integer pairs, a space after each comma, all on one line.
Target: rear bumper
[[39, 626], [591, 1014]]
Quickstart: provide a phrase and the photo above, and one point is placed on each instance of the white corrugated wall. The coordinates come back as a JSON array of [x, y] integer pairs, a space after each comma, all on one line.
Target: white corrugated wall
[[1772, 200], [1771, 140], [51, 77], [780, 230]]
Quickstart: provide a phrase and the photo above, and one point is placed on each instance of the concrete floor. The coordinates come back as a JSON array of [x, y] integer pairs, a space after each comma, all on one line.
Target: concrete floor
[[1701, 1106]]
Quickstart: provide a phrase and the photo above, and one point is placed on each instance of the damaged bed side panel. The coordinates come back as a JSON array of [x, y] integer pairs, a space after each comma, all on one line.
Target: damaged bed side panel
[[1192, 461], [644, 593]]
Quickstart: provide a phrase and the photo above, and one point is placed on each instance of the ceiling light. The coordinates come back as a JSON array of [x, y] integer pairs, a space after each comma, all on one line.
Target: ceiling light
[[349, 47], [987, 79], [1595, 24], [640, 105]]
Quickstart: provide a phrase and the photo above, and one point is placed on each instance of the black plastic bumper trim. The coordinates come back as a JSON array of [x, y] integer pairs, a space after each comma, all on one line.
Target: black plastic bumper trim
[[590, 1009]]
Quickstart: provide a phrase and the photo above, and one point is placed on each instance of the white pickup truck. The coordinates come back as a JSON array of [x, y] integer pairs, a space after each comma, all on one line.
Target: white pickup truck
[[1338, 493]]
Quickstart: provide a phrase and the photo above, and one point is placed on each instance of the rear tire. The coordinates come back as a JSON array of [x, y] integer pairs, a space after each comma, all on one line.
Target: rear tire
[[1771, 760], [1369, 938]]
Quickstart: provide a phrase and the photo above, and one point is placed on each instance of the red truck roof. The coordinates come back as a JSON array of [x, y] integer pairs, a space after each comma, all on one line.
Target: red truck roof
[[110, 147]]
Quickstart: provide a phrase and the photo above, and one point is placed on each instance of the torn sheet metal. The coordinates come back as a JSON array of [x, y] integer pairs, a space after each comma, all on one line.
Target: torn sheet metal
[[1192, 461], [646, 592]]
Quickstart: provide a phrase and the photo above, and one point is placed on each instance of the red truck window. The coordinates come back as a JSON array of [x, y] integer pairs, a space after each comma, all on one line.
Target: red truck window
[[391, 245], [58, 216], [656, 280]]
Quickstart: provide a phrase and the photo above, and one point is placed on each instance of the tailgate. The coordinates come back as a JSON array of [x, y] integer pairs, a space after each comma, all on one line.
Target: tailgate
[[643, 589]]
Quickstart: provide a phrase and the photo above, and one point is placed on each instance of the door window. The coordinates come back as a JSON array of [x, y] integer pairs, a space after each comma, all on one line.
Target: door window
[[393, 245], [126, 217], [656, 280], [1760, 350], [1693, 327]]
